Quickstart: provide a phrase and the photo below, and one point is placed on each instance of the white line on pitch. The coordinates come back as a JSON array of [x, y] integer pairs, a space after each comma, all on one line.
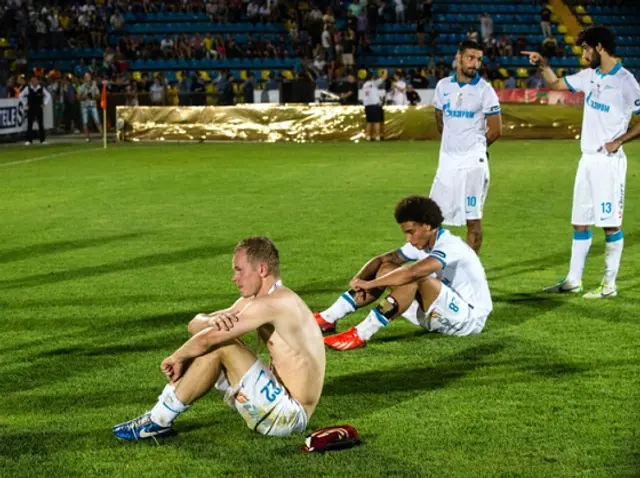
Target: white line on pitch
[[49, 156]]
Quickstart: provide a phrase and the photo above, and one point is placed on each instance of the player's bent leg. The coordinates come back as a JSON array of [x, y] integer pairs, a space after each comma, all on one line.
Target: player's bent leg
[[201, 374], [446, 312], [395, 304], [349, 302]]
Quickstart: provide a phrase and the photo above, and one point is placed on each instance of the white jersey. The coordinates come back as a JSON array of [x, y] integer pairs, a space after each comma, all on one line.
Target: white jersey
[[610, 100], [464, 107], [399, 96], [371, 92], [461, 269]]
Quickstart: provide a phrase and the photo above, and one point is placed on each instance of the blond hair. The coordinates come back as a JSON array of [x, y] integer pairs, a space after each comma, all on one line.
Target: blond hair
[[261, 250]]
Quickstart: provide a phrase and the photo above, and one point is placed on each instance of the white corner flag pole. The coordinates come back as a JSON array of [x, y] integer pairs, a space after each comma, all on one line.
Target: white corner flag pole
[[104, 126]]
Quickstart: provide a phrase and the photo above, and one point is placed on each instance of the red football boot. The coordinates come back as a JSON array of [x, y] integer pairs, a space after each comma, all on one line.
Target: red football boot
[[347, 340], [323, 324]]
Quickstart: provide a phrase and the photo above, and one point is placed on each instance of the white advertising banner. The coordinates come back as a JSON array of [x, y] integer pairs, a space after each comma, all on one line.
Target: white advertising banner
[[13, 116]]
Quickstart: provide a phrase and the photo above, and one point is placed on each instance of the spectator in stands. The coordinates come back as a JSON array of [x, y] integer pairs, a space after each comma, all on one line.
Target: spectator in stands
[[265, 13], [88, 94], [319, 65], [400, 17], [329, 18], [349, 94], [426, 11], [166, 46], [197, 46], [221, 49], [504, 46], [511, 81], [536, 80], [550, 46], [198, 90], [398, 90], [545, 21], [486, 27], [472, 34], [326, 45], [117, 21], [491, 67], [491, 45], [521, 44], [184, 90], [248, 88], [227, 96], [372, 16], [348, 50], [157, 92], [253, 10], [412, 95]]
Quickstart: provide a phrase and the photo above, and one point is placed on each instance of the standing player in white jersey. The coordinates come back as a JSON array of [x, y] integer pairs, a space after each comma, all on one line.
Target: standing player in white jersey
[[373, 106], [612, 96], [469, 118], [445, 290]]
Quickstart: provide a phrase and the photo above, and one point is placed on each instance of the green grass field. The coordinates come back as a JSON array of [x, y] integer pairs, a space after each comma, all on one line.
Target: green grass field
[[105, 256]]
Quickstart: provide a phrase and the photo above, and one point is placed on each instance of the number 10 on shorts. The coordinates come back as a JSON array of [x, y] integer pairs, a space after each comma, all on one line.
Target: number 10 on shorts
[[471, 201]]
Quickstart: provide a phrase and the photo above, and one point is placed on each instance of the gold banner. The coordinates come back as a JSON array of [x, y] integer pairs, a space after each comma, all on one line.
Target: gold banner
[[302, 123]]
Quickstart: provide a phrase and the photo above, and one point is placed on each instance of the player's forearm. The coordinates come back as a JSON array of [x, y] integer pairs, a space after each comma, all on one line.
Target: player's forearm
[[397, 277], [550, 77], [633, 133], [196, 346], [369, 269]]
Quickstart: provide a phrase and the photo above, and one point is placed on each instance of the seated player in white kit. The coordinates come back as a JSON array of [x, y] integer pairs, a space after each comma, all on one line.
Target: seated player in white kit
[[445, 290], [469, 118], [612, 96], [275, 399]]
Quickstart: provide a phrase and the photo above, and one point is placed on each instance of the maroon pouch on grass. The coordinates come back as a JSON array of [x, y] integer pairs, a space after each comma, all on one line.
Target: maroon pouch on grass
[[331, 438]]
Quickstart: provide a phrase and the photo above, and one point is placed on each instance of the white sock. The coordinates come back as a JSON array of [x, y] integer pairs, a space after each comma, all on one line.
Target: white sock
[[345, 305], [167, 408], [369, 326], [613, 246], [579, 252]]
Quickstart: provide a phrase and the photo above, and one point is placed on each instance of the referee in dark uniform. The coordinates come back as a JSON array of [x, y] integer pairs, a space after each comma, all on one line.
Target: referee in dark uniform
[[36, 97]]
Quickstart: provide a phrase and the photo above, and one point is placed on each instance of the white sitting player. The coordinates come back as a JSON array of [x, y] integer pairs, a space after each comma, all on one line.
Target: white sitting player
[[445, 290], [469, 118], [612, 96], [276, 399]]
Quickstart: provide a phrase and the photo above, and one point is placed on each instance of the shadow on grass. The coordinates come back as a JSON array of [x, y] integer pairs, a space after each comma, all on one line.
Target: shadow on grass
[[151, 260], [516, 268], [37, 250]]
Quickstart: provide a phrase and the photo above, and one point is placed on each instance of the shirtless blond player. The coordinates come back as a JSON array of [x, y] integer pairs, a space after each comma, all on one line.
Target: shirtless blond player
[[275, 400]]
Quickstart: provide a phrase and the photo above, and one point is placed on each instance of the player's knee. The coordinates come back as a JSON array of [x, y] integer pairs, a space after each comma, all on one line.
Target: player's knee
[[385, 268]]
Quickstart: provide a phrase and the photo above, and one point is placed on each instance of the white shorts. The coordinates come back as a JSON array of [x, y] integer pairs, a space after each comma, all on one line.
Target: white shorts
[[461, 193], [450, 314], [263, 402], [90, 110], [598, 192]]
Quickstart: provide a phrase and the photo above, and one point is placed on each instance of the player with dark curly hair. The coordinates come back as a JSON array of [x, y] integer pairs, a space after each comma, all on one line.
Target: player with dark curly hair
[[444, 289]]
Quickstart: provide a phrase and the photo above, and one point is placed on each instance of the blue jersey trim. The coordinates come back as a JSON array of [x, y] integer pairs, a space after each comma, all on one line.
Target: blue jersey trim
[[636, 112], [403, 255], [444, 264], [474, 81], [571, 88], [492, 113]]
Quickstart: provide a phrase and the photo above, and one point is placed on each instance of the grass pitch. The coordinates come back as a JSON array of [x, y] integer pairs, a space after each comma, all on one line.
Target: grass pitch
[[105, 256]]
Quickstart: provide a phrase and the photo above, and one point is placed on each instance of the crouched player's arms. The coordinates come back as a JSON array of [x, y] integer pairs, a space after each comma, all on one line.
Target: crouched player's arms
[[369, 270], [204, 321], [402, 275]]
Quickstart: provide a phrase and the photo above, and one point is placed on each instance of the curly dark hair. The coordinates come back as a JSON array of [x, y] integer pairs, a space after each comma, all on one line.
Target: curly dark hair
[[419, 209], [599, 34]]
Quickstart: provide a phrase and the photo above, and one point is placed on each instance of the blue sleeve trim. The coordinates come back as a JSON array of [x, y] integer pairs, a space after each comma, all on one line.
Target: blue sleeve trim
[[492, 113], [439, 109], [614, 237], [404, 256], [566, 82], [636, 112], [444, 264]]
